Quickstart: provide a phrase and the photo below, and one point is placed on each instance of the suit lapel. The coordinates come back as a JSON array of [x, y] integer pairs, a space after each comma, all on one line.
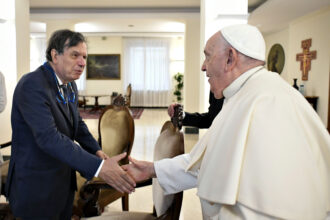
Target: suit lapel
[[74, 114], [64, 110], [74, 108], [60, 104]]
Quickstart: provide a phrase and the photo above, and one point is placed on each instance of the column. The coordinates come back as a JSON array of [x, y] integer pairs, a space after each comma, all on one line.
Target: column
[[192, 64], [216, 14], [22, 23]]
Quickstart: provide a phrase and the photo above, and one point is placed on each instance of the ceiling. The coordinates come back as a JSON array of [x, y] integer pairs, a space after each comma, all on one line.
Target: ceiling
[[158, 16], [275, 15]]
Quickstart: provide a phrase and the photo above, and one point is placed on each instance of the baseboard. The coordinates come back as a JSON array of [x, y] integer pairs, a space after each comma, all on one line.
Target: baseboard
[[191, 130]]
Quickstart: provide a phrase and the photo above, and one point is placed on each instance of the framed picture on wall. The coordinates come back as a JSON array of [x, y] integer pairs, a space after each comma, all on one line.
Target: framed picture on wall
[[103, 66], [276, 59]]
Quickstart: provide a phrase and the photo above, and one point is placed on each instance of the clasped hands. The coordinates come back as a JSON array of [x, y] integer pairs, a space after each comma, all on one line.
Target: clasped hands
[[123, 178]]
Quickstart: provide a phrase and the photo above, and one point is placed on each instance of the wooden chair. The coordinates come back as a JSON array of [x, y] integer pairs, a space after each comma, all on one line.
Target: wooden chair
[[5, 212], [166, 207], [128, 95], [116, 135], [82, 102]]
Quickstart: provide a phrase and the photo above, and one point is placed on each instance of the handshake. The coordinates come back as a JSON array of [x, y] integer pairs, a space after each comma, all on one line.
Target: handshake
[[123, 178]]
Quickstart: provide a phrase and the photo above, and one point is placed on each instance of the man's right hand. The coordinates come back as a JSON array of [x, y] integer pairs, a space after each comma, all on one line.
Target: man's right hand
[[170, 109], [115, 176]]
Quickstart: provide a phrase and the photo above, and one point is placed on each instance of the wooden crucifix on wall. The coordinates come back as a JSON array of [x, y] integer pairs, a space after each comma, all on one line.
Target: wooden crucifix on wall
[[306, 58]]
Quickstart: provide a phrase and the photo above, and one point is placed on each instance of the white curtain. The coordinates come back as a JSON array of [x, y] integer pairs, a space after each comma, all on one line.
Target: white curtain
[[146, 67], [37, 52]]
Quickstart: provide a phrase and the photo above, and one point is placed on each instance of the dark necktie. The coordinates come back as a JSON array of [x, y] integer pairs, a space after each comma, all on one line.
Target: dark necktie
[[66, 95]]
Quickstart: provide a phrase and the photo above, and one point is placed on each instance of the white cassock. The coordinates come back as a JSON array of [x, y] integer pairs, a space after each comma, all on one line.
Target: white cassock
[[265, 156]]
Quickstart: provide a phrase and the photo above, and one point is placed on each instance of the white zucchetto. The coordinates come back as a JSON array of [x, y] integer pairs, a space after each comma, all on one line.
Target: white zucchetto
[[246, 39]]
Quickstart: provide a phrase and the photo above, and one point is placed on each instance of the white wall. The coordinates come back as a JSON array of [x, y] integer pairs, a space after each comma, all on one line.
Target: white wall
[[192, 90], [22, 22], [282, 38], [315, 26]]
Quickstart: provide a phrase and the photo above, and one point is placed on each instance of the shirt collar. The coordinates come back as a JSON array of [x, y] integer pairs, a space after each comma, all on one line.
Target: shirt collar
[[60, 83], [239, 82]]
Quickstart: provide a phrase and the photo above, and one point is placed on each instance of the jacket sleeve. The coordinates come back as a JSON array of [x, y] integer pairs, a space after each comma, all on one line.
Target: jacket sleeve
[[204, 120]]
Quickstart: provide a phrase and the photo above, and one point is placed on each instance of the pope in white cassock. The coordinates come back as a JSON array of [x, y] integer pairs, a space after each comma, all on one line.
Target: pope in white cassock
[[266, 154]]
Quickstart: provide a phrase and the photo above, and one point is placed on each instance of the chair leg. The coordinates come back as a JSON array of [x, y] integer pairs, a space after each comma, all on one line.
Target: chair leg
[[84, 103], [124, 202], [5, 212]]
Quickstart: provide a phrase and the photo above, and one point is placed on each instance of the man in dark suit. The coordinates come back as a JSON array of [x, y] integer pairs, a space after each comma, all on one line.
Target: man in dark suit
[[200, 120], [46, 123]]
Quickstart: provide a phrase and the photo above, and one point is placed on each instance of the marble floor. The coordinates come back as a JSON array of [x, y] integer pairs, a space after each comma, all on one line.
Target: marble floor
[[147, 129]]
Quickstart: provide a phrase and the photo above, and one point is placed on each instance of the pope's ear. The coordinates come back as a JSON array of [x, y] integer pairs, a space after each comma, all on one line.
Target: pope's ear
[[231, 58]]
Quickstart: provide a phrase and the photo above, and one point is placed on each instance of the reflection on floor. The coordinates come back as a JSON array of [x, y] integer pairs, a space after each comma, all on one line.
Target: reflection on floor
[[147, 129]]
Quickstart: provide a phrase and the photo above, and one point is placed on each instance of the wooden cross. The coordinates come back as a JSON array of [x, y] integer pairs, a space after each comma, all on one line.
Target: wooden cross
[[305, 58]]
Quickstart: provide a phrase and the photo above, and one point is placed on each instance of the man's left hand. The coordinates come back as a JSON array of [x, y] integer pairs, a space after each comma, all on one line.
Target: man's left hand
[[101, 155]]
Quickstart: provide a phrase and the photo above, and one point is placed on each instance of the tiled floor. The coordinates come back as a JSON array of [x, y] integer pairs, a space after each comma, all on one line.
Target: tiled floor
[[147, 129]]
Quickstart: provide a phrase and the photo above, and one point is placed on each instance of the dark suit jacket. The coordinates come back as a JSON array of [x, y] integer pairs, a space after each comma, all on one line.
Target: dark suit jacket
[[44, 156], [204, 120]]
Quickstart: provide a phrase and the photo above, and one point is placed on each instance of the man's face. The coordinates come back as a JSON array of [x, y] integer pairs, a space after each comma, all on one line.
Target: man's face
[[71, 63], [214, 64]]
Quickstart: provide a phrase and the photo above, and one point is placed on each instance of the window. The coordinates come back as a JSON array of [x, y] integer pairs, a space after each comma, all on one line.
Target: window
[[146, 67]]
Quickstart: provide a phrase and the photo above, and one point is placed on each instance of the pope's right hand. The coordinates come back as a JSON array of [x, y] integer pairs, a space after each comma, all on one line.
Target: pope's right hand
[[140, 170]]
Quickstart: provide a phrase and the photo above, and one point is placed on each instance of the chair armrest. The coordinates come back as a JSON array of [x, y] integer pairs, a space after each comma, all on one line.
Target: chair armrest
[[95, 184], [92, 185], [148, 182], [7, 144]]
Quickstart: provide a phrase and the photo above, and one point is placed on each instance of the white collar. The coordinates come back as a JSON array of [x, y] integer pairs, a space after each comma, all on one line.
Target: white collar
[[60, 83], [239, 82]]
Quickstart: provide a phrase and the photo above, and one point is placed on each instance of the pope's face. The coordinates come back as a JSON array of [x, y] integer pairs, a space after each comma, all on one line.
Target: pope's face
[[214, 64], [71, 63]]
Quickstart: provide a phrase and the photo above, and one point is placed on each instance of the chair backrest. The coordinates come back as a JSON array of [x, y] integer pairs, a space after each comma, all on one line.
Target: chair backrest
[[170, 143], [116, 130], [116, 135]]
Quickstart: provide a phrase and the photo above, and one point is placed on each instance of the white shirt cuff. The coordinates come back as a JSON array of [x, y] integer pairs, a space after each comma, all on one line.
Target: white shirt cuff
[[99, 169]]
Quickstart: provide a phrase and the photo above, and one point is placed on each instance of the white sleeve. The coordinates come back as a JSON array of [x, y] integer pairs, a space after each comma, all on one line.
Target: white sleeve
[[3, 98], [99, 169], [172, 176]]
